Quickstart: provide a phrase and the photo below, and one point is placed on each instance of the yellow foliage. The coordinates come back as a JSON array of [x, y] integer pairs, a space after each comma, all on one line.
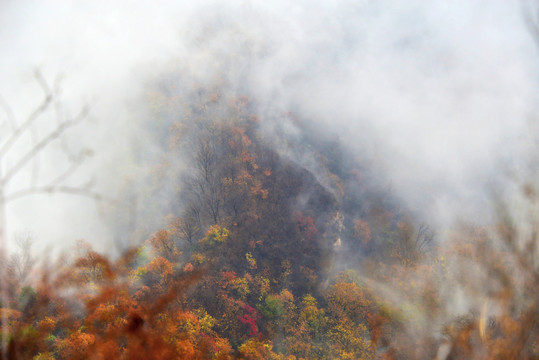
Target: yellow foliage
[[198, 258], [251, 260], [216, 234]]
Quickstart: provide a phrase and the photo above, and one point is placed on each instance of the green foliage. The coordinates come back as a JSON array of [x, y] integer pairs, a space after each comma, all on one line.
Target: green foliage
[[27, 295], [272, 308]]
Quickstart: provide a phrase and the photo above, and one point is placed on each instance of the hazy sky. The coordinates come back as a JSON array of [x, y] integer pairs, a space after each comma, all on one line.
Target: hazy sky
[[437, 94]]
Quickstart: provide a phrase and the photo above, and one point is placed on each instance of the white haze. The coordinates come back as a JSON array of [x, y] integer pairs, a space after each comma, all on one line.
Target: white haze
[[436, 96]]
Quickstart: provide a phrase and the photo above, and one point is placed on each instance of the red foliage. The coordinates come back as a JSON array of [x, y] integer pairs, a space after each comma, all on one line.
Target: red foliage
[[249, 318]]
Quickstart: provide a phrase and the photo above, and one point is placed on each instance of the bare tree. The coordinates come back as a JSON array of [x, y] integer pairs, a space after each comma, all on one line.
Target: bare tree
[[22, 261], [206, 184], [189, 227], [27, 157], [25, 161], [414, 242]]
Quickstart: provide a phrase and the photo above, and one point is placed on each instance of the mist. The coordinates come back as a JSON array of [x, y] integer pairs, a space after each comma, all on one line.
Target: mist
[[435, 102], [436, 98]]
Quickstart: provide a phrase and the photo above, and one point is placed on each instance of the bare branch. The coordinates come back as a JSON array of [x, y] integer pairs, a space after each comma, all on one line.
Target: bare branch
[[66, 174], [32, 118], [58, 105], [76, 163], [35, 162], [58, 189], [60, 129], [42, 82], [9, 114]]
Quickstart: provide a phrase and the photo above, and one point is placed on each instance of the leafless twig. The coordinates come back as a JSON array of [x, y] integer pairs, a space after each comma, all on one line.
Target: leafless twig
[[16, 134], [60, 129]]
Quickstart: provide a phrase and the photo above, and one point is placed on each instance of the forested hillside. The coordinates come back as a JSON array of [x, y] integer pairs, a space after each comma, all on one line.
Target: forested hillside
[[216, 179], [277, 246]]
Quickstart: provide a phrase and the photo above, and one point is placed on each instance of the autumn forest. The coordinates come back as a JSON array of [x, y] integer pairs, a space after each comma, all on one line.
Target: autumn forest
[[267, 217], [263, 259]]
